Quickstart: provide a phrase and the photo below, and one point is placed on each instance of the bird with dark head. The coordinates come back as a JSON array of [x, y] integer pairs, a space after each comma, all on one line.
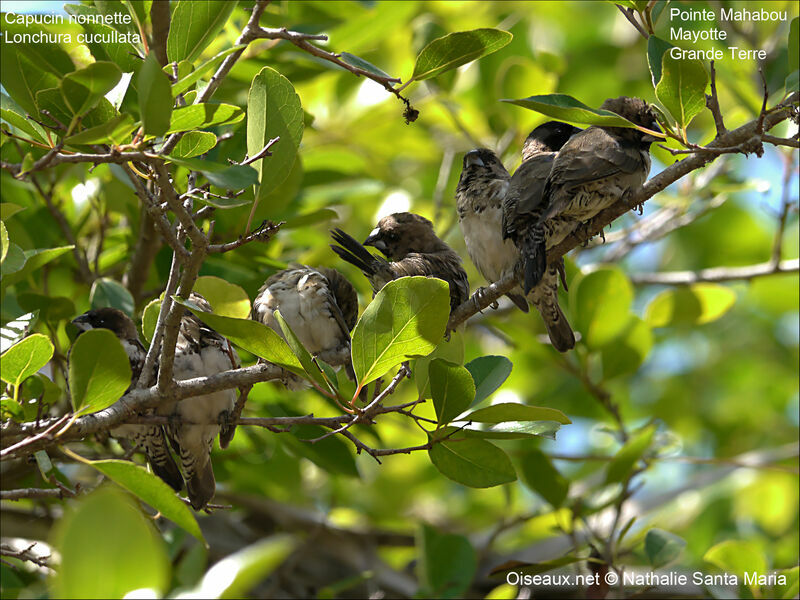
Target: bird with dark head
[[598, 166], [150, 438], [498, 213], [411, 247], [321, 307], [195, 422]]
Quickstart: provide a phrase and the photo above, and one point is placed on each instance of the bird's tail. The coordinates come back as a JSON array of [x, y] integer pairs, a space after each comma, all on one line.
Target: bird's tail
[[200, 482], [161, 460], [545, 298], [353, 252], [534, 256]]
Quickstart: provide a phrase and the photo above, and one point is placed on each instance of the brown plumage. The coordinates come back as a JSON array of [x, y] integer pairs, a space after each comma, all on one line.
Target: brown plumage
[[411, 247], [199, 352], [150, 438], [600, 165]]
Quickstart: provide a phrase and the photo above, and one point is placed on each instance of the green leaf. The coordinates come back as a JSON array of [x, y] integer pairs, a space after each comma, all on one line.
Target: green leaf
[[514, 430], [273, 110], [791, 587], [447, 563], [253, 336], [300, 352], [149, 488], [696, 304], [794, 46], [185, 82], [456, 49], [195, 143], [662, 547], [628, 351], [539, 474], [227, 299], [567, 108], [14, 114], [452, 389], [105, 43], [51, 308], [8, 210], [737, 557], [489, 373], [150, 318], [33, 260], [13, 262], [511, 411], [194, 25], [99, 371], [357, 61], [22, 78], [4, 243], [116, 131], [155, 97], [626, 458], [656, 47], [237, 573], [451, 350], [95, 564], [601, 301], [52, 101], [472, 462], [792, 82], [406, 319], [107, 292], [195, 116], [233, 177], [682, 88], [82, 89], [44, 54], [323, 215], [25, 358]]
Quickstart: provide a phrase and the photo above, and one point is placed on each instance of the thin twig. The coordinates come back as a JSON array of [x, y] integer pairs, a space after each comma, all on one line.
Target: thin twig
[[717, 274]]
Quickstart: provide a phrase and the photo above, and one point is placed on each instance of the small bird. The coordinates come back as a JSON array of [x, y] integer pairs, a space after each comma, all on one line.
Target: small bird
[[493, 213], [598, 166], [195, 422], [522, 205], [321, 307], [150, 438], [409, 242]]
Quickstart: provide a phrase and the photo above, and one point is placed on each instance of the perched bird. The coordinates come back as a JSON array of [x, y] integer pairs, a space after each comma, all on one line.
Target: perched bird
[[522, 205], [199, 352], [149, 437], [497, 214], [597, 167], [321, 307], [411, 247]]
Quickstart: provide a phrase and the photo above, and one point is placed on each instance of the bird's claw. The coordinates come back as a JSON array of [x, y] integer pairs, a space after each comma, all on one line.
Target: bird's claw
[[480, 294]]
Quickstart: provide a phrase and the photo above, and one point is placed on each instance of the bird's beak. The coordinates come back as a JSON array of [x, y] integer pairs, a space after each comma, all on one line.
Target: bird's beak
[[81, 323], [374, 239], [651, 138], [472, 158]]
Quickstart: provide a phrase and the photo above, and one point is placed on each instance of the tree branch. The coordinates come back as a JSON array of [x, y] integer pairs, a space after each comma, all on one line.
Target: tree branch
[[717, 274]]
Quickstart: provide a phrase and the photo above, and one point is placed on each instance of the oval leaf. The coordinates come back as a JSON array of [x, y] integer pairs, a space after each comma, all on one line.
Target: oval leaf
[[406, 319], [99, 370], [149, 488], [452, 389], [228, 299], [25, 358], [472, 462], [628, 351], [682, 88], [195, 143], [662, 547], [626, 458], [511, 411], [253, 336], [82, 89], [489, 373], [108, 548], [196, 116], [539, 474], [233, 177], [107, 292], [194, 25], [456, 49], [116, 131], [155, 97], [656, 47], [601, 301], [693, 305], [273, 110], [567, 108]]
